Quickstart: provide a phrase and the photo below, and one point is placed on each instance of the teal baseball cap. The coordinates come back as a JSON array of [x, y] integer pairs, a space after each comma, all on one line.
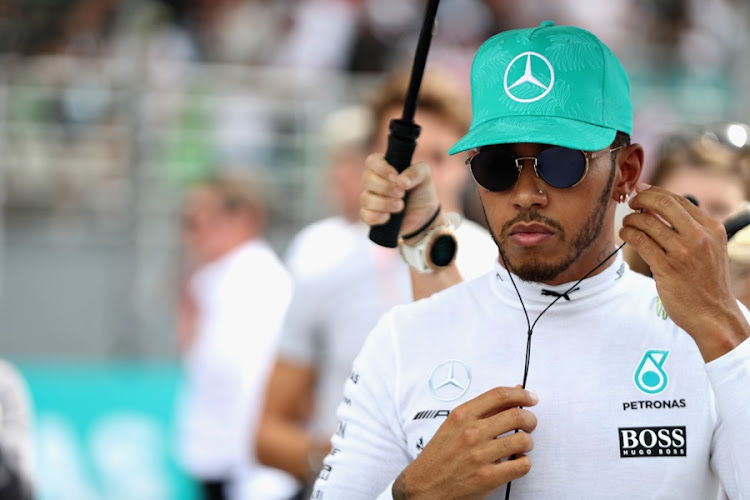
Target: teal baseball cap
[[552, 84]]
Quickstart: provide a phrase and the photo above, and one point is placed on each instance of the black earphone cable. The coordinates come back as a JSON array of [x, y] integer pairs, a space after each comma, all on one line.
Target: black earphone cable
[[531, 326]]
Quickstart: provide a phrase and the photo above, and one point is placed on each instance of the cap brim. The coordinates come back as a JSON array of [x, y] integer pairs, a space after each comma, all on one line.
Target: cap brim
[[539, 130]]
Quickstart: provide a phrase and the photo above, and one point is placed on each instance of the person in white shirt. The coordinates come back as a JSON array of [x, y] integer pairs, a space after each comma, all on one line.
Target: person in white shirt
[[319, 246], [231, 314], [332, 311], [16, 435], [561, 373]]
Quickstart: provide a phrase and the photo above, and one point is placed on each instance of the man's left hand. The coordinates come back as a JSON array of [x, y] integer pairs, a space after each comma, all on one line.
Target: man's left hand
[[686, 250]]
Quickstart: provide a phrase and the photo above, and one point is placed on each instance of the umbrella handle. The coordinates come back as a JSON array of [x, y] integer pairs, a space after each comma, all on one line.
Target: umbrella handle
[[402, 141]]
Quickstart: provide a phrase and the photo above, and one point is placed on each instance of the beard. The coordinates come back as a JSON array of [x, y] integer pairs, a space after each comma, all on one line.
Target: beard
[[539, 271]]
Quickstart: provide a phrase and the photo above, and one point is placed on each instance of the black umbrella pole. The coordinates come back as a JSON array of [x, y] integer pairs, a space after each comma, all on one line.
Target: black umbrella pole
[[402, 139]]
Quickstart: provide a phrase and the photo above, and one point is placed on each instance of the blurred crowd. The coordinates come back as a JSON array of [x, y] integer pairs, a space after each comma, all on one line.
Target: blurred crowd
[[173, 88], [195, 139]]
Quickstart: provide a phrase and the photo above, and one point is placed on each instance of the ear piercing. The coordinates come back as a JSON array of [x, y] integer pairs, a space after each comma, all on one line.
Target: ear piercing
[[624, 198]]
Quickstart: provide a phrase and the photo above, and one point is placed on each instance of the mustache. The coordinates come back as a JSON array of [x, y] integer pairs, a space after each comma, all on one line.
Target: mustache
[[532, 216]]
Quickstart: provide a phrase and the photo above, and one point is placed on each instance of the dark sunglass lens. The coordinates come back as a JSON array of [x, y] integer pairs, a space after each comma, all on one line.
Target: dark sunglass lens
[[494, 169], [561, 167]]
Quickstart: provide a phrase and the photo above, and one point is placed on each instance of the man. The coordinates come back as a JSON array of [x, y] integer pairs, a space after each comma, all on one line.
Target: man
[[333, 311], [231, 313], [640, 386], [321, 245]]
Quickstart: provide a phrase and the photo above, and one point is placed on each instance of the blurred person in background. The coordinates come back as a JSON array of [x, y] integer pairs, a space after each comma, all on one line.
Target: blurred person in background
[[712, 165], [738, 248], [230, 313], [320, 245], [332, 311], [15, 435]]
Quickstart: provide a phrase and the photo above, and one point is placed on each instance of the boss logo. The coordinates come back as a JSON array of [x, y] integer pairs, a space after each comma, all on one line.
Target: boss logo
[[653, 442]]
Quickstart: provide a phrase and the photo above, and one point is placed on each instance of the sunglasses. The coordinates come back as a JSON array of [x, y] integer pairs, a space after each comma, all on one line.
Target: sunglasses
[[496, 169]]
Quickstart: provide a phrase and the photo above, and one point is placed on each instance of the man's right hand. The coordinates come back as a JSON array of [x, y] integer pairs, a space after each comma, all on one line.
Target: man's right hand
[[466, 458], [384, 189]]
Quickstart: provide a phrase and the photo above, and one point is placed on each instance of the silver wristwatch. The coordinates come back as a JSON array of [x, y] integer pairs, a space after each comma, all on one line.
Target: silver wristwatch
[[436, 250]]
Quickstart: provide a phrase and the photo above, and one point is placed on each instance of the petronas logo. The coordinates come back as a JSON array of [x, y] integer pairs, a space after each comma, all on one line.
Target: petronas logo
[[650, 376]]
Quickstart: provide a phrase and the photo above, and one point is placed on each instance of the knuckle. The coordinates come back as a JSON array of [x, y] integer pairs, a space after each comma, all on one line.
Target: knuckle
[[667, 202], [459, 415], [501, 393], [639, 239], [470, 435], [525, 442], [517, 417], [484, 475], [475, 456], [703, 242], [650, 221]]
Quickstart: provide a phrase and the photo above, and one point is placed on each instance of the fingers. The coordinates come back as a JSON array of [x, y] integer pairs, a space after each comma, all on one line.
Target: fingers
[[494, 401], [676, 212], [491, 476], [467, 446], [667, 225], [376, 209], [509, 420], [642, 243], [385, 189], [382, 196], [492, 448], [506, 447], [514, 469], [660, 219], [381, 178]]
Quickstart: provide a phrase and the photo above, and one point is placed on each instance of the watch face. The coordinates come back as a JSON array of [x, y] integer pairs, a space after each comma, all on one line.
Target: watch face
[[443, 250]]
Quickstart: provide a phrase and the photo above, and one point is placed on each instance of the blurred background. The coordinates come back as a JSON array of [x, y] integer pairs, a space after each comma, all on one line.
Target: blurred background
[[109, 109]]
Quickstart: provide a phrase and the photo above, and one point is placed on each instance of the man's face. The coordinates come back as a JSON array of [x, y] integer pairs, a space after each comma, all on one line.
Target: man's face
[[205, 224], [345, 173], [437, 136], [556, 236]]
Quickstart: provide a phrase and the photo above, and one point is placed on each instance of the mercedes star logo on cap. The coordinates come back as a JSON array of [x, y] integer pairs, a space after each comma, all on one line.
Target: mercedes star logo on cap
[[532, 76]]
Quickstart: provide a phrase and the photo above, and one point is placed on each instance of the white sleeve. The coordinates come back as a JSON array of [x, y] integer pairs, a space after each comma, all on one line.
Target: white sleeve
[[730, 457], [369, 446], [16, 430]]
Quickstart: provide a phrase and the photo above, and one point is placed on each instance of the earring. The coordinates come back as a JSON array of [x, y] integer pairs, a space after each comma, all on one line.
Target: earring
[[624, 197]]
